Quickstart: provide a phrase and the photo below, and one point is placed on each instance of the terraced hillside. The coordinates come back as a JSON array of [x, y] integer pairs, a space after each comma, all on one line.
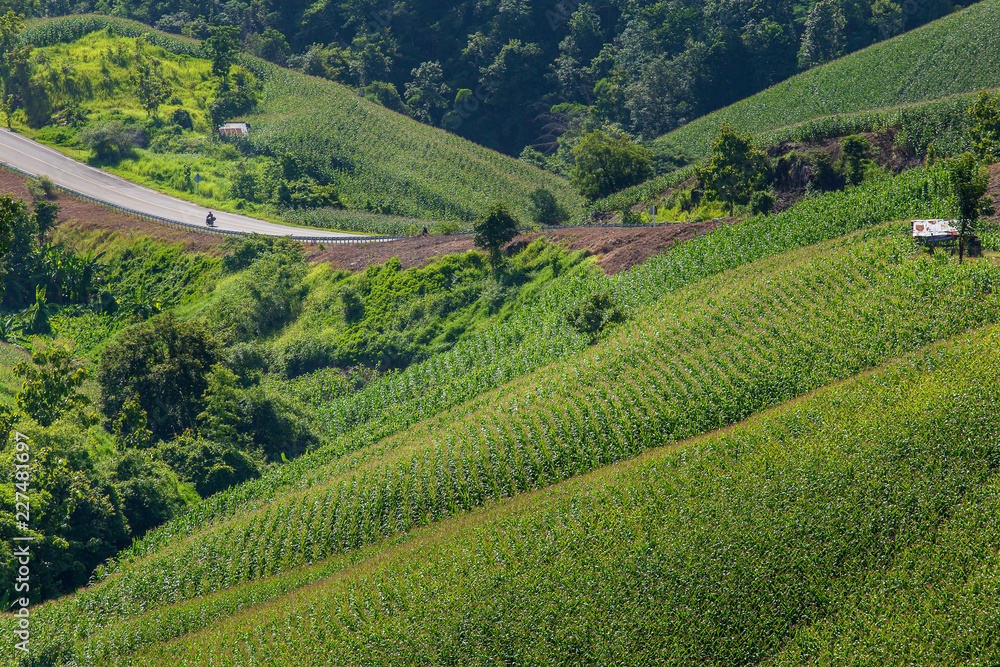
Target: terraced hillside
[[720, 328], [703, 357], [536, 334], [379, 160], [951, 56], [852, 524]]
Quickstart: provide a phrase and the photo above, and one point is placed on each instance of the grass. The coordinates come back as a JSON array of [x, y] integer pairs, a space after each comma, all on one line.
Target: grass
[[853, 524], [943, 58], [707, 356], [378, 159]]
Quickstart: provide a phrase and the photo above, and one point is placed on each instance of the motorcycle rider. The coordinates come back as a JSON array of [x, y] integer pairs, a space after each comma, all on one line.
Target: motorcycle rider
[[210, 219]]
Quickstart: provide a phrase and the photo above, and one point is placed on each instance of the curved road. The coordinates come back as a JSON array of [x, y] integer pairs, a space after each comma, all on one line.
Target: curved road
[[34, 158]]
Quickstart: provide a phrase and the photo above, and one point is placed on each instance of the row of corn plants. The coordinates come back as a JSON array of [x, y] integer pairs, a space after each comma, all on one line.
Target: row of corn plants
[[829, 531], [703, 357]]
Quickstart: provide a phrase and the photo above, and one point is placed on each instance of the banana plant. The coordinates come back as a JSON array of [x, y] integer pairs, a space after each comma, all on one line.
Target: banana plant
[[38, 314]]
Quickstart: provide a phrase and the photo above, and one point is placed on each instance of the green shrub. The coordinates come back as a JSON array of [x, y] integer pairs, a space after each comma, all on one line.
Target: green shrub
[[164, 366], [112, 140], [150, 492], [210, 466], [595, 314]]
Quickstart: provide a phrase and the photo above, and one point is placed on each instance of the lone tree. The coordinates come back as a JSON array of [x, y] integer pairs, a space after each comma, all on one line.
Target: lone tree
[[606, 164], [969, 182], [736, 169], [494, 230], [150, 86], [222, 46]]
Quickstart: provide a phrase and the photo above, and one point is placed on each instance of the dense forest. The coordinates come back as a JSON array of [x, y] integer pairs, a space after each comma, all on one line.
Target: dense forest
[[510, 73]]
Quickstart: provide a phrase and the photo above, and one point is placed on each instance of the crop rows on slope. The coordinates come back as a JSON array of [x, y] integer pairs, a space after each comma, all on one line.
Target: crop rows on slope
[[947, 57], [705, 357], [746, 546], [536, 334], [378, 158]]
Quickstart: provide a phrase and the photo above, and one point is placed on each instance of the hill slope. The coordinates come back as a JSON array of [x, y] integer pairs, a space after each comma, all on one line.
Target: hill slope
[[377, 158], [953, 55], [796, 538], [709, 355]]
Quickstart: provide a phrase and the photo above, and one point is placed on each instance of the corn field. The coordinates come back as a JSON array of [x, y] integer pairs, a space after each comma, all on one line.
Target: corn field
[[706, 356], [833, 530], [536, 334], [947, 57]]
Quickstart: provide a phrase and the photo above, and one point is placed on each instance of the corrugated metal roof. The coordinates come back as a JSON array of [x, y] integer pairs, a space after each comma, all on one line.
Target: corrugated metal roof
[[934, 228]]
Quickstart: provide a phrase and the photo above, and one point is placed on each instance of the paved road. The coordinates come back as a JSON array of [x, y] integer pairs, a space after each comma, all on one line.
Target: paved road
[[34, 158]]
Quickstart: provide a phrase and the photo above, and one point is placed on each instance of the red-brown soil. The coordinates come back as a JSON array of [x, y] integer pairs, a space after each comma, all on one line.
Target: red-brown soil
[[616, 248]]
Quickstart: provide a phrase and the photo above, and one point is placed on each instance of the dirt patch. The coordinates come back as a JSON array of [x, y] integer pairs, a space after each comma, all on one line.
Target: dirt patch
[[84, 215], [620, 248], [617, 249]]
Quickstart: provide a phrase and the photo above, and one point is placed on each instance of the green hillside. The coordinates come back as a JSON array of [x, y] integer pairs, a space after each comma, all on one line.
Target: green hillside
[[536, 335], [706, 355], [378, 160], [950, 56], [797, 538]]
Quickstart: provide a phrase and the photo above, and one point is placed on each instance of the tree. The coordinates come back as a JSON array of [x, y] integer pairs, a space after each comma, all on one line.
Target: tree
[[210, 466], [51, 383], [111, 140], [594, 314], [368, 60], [493, 231], [385, 94], [148, 489], [736, 169], [269, 45], [46, 216], [427, 92], [150, 86], [606, 164], [889, 18], [222, 46], [548, 211], [164, 366], [7, 108], [969, 183], [985, 130], [823, 40], [13, 214]]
